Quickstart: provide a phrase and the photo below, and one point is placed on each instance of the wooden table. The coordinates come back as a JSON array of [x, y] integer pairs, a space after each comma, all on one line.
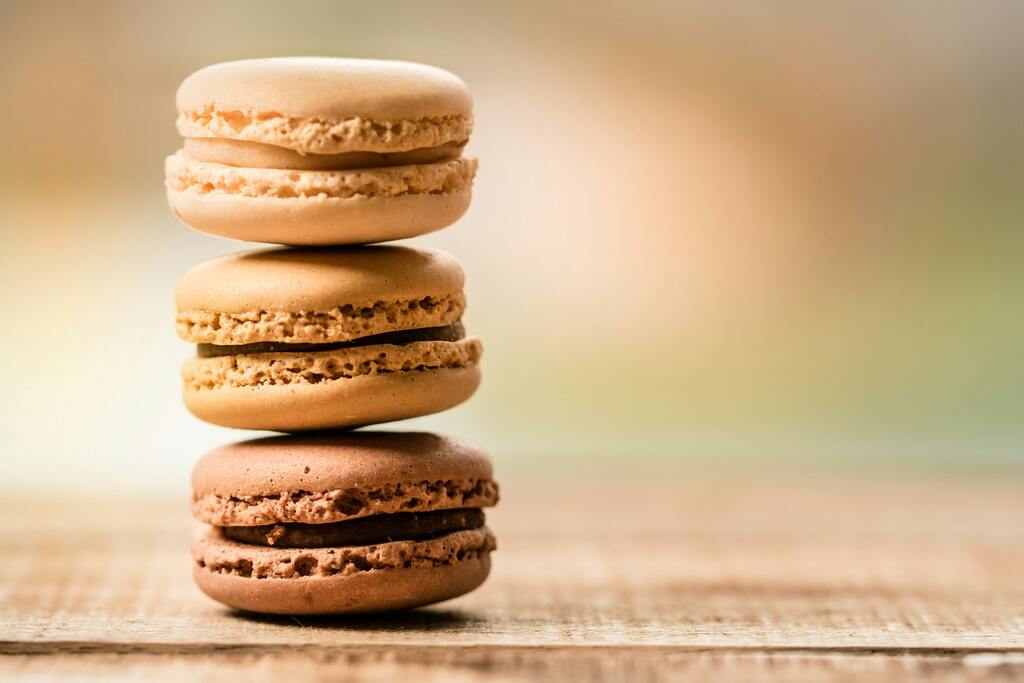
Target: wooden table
[[616, 578]]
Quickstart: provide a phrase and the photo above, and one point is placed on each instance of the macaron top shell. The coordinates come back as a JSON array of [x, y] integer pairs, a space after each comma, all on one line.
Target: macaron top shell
[[315, 279], [321, 463], [318, 295], [326, 105]]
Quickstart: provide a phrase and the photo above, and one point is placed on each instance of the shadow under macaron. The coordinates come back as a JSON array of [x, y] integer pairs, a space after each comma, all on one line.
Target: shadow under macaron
[[422, 620]]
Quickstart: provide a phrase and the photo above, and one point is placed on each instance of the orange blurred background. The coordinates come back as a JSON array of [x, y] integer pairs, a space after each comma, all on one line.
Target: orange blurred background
[[703, 234]]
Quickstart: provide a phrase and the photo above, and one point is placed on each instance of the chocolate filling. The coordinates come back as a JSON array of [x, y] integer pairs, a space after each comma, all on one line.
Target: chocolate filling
[[448, 333], [401, 526]]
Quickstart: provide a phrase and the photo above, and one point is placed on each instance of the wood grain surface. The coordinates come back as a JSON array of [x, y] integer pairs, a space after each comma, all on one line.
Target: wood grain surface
[[596, 578]]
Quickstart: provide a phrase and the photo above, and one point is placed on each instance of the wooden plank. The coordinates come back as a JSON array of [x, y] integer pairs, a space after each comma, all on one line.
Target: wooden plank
[[511, 664], [795, 579]]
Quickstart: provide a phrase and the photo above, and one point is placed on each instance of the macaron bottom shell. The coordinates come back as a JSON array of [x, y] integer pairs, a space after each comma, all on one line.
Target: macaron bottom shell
[[342, 403], [318, 221], [364, 590]]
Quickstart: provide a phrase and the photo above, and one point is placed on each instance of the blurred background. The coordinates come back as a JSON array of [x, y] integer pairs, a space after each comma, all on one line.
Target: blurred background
[[758, 236]]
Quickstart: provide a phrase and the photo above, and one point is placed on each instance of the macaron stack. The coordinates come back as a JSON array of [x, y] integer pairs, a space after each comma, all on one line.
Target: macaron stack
[[325, 334]]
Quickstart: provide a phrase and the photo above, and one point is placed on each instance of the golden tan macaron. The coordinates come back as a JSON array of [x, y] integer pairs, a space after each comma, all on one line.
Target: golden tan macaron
[[303, 339], [342, 522], [321, 151]]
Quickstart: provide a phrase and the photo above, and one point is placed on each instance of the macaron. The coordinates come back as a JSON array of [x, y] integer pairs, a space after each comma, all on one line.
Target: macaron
[[321, 151], [304, 339], [342, 522]]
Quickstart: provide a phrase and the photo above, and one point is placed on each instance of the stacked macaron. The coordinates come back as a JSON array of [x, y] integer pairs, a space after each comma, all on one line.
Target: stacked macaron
[[324, 156]]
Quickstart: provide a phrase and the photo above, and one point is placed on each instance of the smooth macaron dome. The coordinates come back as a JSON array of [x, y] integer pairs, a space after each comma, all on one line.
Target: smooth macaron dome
[[342, 522], [302, 339], [313, 151]]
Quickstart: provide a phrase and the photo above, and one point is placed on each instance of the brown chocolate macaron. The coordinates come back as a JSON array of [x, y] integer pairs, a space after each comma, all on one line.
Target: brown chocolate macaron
[[305, 339], [341, 522]]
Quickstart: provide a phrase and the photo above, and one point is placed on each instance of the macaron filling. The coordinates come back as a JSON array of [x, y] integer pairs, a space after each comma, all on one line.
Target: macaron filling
[[448, 333], [386, 528], [244, 153]]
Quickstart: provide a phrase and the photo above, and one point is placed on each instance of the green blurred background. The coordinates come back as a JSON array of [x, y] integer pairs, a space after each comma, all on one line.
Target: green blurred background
[[704, 235]]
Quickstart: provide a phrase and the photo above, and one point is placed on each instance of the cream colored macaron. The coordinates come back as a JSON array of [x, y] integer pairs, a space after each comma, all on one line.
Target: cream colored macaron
[[303, 339], [321, 151]]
